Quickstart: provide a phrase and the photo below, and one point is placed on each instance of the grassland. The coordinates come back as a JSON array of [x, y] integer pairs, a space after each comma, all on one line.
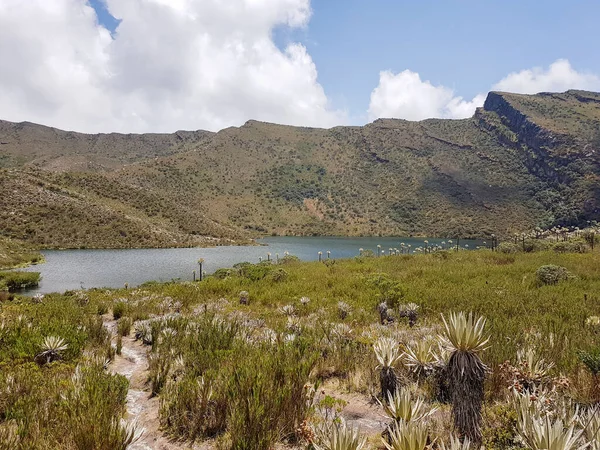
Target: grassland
[[15, 253], [261, 355]]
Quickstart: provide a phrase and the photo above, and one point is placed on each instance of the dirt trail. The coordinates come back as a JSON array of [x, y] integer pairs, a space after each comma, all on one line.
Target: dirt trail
[[141, 408], [360, 411]]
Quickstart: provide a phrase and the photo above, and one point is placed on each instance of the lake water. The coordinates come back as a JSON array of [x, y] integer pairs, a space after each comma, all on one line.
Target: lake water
[[77, 269]]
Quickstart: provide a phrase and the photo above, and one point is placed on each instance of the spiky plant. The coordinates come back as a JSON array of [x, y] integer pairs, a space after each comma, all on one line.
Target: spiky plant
[[387, 353], [344, 309], [341, 332], [288, 310], [384, 313], [402, 407], [52, 349], [339, 437], [457, 444], [420, 357], [544, 434], [407, 436], [590, 422], [532, 368], [464, 336], [410, 311]]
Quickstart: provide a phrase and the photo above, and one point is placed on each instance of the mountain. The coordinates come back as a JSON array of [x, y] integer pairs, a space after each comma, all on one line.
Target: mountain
[[521, 161]]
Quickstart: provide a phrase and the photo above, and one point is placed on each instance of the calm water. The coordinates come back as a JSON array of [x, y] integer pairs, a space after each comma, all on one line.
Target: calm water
[[76, 269]]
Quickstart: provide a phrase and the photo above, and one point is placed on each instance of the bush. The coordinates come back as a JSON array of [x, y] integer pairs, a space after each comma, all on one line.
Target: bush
[[124, 326], [551, 274], [256, 272], [509, 247], [278, 275], [119, 309], [573, 246], [289, 259], [221, 274], [14, 281]]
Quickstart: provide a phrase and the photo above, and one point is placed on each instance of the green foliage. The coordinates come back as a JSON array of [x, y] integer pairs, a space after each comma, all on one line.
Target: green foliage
[[472, 177], [551, 274], [278, 275], [289, 259], [15, 281], [221, 274], [501, 430], [15, 253], [571, 246], [124, 326], [119, 309], [71, 401], [591, 359], [390, 291]]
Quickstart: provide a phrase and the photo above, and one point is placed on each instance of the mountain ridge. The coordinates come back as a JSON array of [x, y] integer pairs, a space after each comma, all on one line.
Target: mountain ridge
[[520, 161]]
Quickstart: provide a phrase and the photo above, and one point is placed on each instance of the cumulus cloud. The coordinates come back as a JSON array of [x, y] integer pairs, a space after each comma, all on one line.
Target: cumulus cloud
[[171, 64], [560, 76], [406, 96]]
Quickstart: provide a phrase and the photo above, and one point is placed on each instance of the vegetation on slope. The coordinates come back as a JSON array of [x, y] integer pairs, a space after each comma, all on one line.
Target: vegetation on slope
[[17, 254], [520, 162]]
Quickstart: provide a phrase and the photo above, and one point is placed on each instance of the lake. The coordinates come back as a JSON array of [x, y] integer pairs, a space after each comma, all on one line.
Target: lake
[[84, 269]]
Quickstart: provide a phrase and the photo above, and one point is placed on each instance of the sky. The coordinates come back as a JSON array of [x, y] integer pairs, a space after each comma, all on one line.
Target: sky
[[165, 65]]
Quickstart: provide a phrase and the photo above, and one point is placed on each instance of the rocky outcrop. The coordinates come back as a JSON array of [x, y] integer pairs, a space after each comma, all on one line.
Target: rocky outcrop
[[535, 143]]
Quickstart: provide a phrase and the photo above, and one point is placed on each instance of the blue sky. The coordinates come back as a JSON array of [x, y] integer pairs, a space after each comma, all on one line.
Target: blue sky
[[466, 45], [166, 65]]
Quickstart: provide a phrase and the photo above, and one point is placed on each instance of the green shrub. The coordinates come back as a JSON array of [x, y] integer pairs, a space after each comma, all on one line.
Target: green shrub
[[124, 326], [551, 274], [278, 275], [509, 247], [573, 246], [266, 395], [221, 274], [119, 309], [255, 272], [289, 259], [14, 281], [591, 359], [102, 308]]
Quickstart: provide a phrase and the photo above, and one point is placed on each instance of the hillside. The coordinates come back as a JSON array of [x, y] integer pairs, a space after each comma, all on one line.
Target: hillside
[[521, 161]]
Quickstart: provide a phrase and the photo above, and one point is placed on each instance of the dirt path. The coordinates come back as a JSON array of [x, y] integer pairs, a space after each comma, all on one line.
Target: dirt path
[[359, 412], [141, 408]]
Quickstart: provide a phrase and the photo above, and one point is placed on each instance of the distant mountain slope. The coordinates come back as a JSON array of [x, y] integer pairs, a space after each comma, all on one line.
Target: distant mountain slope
[[521, 161]]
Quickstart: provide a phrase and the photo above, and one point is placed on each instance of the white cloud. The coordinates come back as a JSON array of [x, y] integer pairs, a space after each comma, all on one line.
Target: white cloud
[[173, 64], [560, 76], [406, 96]]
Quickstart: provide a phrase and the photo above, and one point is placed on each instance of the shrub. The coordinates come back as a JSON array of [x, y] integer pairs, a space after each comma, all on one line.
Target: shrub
[[102, 308], [14, 281], [278, 275], [509, 247], [124, 326], [221, 274], [551, 274], [289, 259], [119, 309], [266, 394], [573, 246]]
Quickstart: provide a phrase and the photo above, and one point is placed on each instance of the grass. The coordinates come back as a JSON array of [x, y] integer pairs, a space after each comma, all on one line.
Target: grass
[[15, 254], [15, 281], [248, 375]]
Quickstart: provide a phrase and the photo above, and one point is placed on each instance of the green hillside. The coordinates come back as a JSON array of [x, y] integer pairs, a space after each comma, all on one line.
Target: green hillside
[[521, 161]]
